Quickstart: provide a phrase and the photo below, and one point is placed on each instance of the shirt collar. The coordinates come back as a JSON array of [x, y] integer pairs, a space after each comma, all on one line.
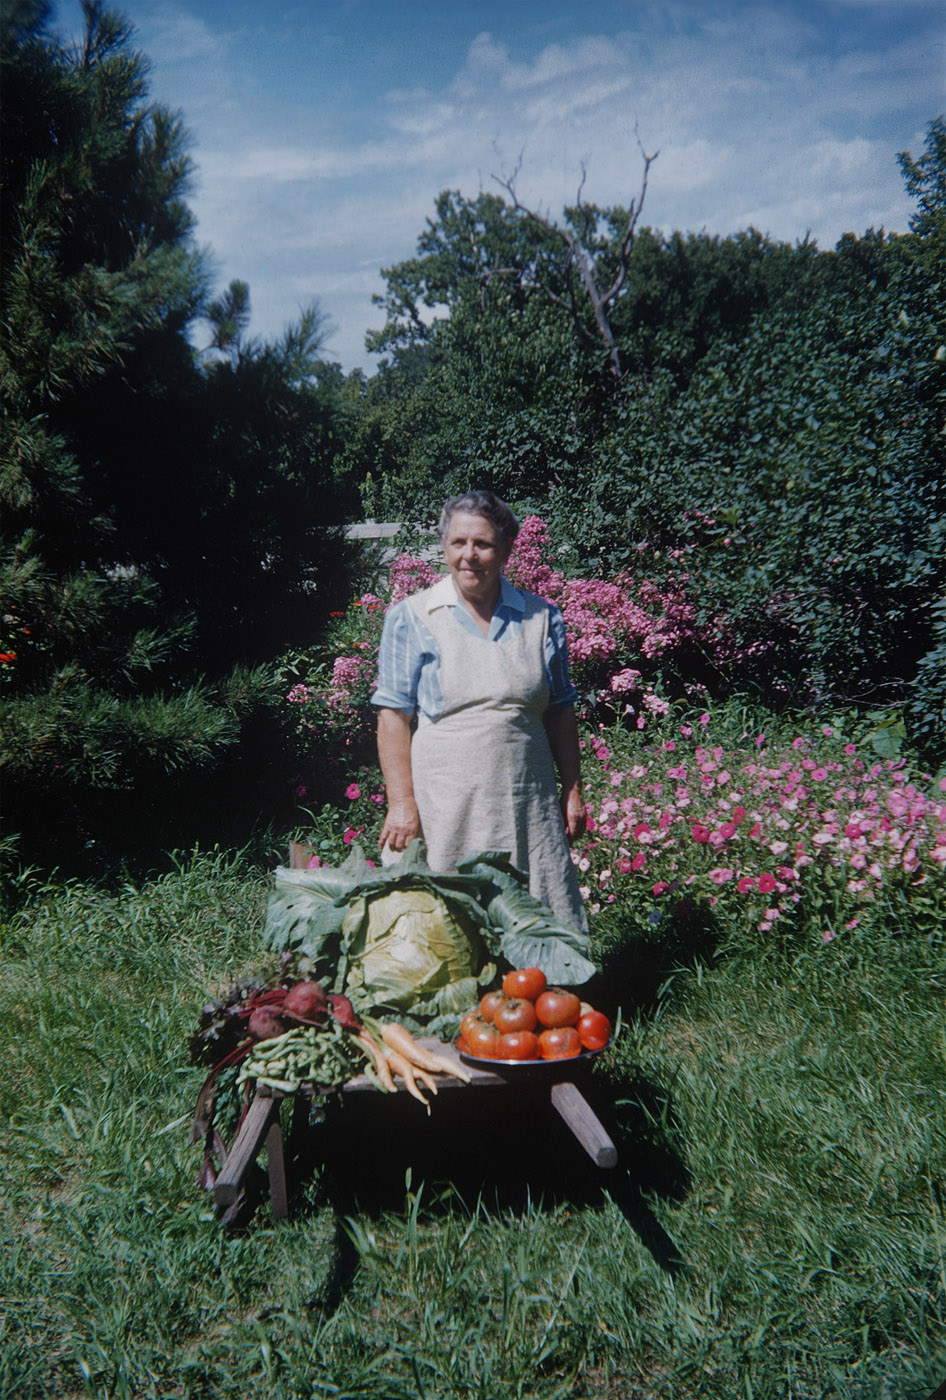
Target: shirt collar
[[444, 595]]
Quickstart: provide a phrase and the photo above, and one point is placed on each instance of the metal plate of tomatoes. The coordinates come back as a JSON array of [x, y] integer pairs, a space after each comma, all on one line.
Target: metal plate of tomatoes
[[563, 1063]]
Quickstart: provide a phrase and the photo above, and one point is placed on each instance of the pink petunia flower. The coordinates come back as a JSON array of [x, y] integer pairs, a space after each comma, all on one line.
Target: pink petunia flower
[[767, 883], [352, 791], [746, 884]]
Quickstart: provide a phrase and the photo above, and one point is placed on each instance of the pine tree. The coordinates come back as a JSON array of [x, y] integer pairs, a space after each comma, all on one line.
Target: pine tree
[[147, 541]]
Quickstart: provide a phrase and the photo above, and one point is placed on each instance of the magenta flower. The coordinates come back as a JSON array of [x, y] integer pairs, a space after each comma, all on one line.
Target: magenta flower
[[639, 862], [661, 887], [313, 863], [350, 835], [767, 883], [700, 833], [352, 791], [746, 884]]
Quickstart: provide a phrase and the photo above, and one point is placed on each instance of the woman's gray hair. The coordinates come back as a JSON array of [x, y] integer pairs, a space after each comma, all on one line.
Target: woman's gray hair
[[481, 503]]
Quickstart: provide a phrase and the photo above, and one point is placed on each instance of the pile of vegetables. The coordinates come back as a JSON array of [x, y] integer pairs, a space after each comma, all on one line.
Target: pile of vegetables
[[406, 939], [526, 1019], [362, 951], [294, 1035]]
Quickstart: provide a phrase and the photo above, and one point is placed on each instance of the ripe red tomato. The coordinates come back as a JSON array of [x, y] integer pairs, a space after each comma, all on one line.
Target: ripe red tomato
[[528, 982], [518, 1045], [471, 1019], [559, 1043], [557, 1007], [483, 1040], [594, 1030], [489, 1002], [514, 1014]]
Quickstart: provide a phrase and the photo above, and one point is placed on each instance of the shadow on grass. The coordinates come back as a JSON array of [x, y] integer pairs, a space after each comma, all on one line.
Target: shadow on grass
[[642, 953], [504, 1149]]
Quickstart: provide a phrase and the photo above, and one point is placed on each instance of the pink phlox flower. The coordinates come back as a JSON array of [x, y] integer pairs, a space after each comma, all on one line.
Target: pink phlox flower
[[409, 575], [655, 704], [624, 682]]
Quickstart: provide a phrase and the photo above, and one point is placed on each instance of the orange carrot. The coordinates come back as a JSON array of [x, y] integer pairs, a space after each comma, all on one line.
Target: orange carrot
[[399, 1039], [379, 1060], [398, 1065]]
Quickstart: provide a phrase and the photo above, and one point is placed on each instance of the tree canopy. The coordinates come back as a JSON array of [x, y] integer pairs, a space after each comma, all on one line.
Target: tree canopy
[[166, 513]]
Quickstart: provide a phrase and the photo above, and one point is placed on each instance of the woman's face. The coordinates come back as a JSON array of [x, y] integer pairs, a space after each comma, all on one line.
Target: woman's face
[[475, 556]]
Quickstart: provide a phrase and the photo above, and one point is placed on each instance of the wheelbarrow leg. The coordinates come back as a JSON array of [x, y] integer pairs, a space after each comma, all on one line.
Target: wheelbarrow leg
[[572, 1106]]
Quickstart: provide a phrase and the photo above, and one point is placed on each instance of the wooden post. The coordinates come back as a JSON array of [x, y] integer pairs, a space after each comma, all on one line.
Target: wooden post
[[244, 1148], [569, 1102]]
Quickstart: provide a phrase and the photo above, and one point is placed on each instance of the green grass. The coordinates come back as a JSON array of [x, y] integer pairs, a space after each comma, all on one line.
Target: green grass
[[776, 1226]]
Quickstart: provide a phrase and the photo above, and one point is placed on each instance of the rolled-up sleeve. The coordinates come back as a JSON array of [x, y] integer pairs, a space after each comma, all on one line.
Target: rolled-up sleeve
[[399, 663], [562, 691]]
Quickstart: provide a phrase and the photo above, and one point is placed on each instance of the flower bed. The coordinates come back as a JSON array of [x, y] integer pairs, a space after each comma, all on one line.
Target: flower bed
[[770, 835]]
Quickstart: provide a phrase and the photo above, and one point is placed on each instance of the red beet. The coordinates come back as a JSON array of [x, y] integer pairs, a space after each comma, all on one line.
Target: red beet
[[306, 1000], [343, 1011], [264, 1024]]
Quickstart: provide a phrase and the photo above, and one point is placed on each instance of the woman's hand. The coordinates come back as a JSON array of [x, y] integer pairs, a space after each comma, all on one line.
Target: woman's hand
[[401, 825], [562, 730], [575, 813], [402, 820]]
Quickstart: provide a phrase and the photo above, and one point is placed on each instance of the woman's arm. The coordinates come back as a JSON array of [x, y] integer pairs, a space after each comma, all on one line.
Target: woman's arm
[[561, 727], [402, 820]]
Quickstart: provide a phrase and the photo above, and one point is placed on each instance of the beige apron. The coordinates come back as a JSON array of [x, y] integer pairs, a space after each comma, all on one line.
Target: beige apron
[[484, 777]]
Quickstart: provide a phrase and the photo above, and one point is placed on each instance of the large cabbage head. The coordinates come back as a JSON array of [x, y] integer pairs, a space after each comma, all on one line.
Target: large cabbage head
[[406, 945]]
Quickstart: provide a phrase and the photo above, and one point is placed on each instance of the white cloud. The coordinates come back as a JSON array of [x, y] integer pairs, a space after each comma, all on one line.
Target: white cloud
[[761, 115]]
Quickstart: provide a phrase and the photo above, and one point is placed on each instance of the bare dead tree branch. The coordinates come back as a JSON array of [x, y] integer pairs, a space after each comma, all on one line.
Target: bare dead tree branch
[[581, 259]]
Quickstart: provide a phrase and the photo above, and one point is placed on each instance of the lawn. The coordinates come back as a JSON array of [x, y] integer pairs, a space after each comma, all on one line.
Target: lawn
[[776, 1226]]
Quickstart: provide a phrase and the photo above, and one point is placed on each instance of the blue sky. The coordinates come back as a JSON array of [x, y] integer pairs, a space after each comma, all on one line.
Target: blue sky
[[323, 130]]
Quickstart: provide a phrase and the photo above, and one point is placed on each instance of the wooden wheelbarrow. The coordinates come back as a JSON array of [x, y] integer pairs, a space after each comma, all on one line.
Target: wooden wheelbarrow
[[261, 1125]]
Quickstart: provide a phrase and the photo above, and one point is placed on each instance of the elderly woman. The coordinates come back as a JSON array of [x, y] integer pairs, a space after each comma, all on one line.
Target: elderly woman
[[483, 668]]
